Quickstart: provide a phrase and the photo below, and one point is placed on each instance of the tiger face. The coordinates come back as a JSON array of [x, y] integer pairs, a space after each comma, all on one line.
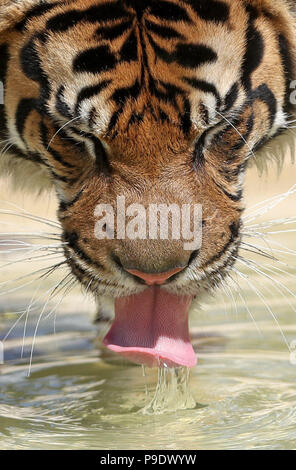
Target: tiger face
[[160, 103]]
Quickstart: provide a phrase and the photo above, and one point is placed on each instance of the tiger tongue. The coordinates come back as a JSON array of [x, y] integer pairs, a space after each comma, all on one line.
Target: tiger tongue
[[152, 328]]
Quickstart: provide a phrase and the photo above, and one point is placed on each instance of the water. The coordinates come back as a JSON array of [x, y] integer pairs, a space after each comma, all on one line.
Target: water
[[243, 390]]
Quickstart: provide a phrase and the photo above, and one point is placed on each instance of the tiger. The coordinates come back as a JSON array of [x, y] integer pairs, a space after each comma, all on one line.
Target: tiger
[[159, 102]]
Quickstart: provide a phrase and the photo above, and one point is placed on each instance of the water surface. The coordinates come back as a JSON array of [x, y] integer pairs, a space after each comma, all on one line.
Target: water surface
[[78, 398]]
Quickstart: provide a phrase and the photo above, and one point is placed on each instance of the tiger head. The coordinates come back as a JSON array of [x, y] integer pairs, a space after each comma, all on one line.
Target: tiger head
[[145, 103]]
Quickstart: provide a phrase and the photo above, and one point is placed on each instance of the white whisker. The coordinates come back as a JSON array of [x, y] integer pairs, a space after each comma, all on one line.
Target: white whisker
[[60, 129], [260, 295], [239, 291]]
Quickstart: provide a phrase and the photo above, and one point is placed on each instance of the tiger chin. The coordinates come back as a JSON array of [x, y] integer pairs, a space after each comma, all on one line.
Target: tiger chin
[[157, 102]]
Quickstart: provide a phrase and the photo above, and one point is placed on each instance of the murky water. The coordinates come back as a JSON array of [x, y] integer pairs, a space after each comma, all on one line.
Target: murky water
[[242, 393]]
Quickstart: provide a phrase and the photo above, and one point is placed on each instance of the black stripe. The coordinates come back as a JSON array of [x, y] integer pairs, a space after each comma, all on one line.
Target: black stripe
[[231, 174], [164, 32], [102, 161], [234, 236], [72, 239], [96, 14], [233, 197], [230, 125], [163, 115], [113, 121], [254, 49], [36, 12], [77, 144], [199, 158], [169, 11], [61, 106], [226, 265], [90, 91], [30, 61], [185, 117], [25, 107], [75, 268], [186, 55], [55, 155], [243, 139], [112, 32], [4, 58], [264, 94], [96, 60], [231, 97], [204, 86], [63, 179], [171, 91], [64, 21], [160, 51], [66, 205], [31, 156], [135, 118], [129, 50], [210, 10], [121, 95], [194, 55], [31, 67], [139, 6]]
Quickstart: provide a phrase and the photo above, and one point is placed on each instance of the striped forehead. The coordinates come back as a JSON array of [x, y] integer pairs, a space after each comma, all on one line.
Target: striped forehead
[[181, 49]]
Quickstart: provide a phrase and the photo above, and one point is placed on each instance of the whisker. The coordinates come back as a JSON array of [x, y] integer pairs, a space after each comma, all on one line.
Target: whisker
[[49, 256], [60, 129], [16, 246], [269, 242], [44, 270], [13, 326], [263, 207], [51, 295], [260, 295], [239, 291], [233, 299], [28, 309], [251, 264], [23, 312], [68, 288], [236, 130], [21, 237], [257, 251], [222, 281], [28, 215], [287, 251], [6, 149]]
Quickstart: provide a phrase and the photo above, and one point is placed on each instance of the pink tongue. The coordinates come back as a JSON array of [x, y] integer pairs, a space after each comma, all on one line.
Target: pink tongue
[[152, 328]]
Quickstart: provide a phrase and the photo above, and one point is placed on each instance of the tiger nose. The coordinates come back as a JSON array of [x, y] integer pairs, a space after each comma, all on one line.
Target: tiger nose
[[155, 278]]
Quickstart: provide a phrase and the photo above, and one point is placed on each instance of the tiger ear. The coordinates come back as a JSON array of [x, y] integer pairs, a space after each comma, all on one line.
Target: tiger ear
[[14, 11]]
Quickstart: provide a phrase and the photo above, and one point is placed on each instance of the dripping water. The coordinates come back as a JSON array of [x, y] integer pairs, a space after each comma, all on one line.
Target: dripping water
[[172, 391]]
